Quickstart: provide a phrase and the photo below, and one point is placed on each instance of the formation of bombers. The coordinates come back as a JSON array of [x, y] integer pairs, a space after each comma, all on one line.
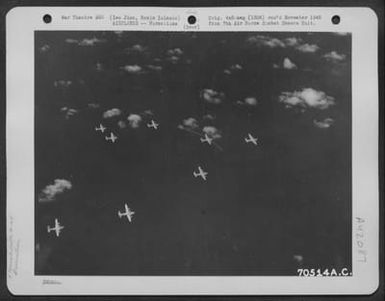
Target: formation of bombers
[[128, 213], [111, 137]]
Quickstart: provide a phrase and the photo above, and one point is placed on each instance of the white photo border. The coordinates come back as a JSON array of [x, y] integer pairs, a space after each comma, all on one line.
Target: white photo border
[[21, 24]]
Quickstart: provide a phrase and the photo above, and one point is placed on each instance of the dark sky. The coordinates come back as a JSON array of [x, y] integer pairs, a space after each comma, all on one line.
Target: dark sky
[[261, 205]]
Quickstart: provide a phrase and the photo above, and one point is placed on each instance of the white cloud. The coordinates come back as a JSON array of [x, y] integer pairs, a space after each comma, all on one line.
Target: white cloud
[[324, 124], [155, 68], [267, 41], [189, 124], [50, 192], [212, 96], [90, 42], [112, 113], [174, 55], [99, 66], [249, 101], [69, 112], [137, 48], [236, 67], [292, 41], [85, 42], [307, 48], [212, 132], [174, 52], [148, 113], [44, 48], [341, 33], [334, 56], [132, 69], [298, 258], [122, 124], [119, 33], [261, 40], [233, 68], [288, 64], [134, 120], [71, 41], [307, 98], [93, 105], [62, 83], [208, 117], [173, 59]]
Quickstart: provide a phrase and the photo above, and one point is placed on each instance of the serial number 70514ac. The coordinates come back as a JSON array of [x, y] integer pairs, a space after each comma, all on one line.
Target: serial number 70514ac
[[323, 272]]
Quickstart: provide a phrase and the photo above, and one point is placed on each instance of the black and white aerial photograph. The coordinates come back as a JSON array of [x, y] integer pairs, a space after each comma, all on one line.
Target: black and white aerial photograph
[[192, 153]]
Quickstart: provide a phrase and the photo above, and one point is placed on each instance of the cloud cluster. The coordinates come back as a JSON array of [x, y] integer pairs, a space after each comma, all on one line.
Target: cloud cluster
[[71, 41], [62, 83], [69, 112], [156, 68], [334, 56], [324, 124], [212, 132], [44, 48], [292, 42], [307, 47], [261, 40], [132, 69], [288, 64], [137, 48], [232, 69], [212, 96], [298, 258], [50, 192], [175, 51], [189, 124], [148, 113], [119, 33], [271, 42], [112, 113], [99, 66], [250, 101], [93, 105], [134, 120], [341, 33], [86, 41], [174, 55], [122, 124], [307, 98], [208, 117]]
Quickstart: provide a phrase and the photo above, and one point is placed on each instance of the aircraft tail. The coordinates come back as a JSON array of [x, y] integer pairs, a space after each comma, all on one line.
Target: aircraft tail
[[119, 214]]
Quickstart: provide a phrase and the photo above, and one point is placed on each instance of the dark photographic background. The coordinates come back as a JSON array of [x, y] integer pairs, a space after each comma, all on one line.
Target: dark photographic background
[[261, 207]]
